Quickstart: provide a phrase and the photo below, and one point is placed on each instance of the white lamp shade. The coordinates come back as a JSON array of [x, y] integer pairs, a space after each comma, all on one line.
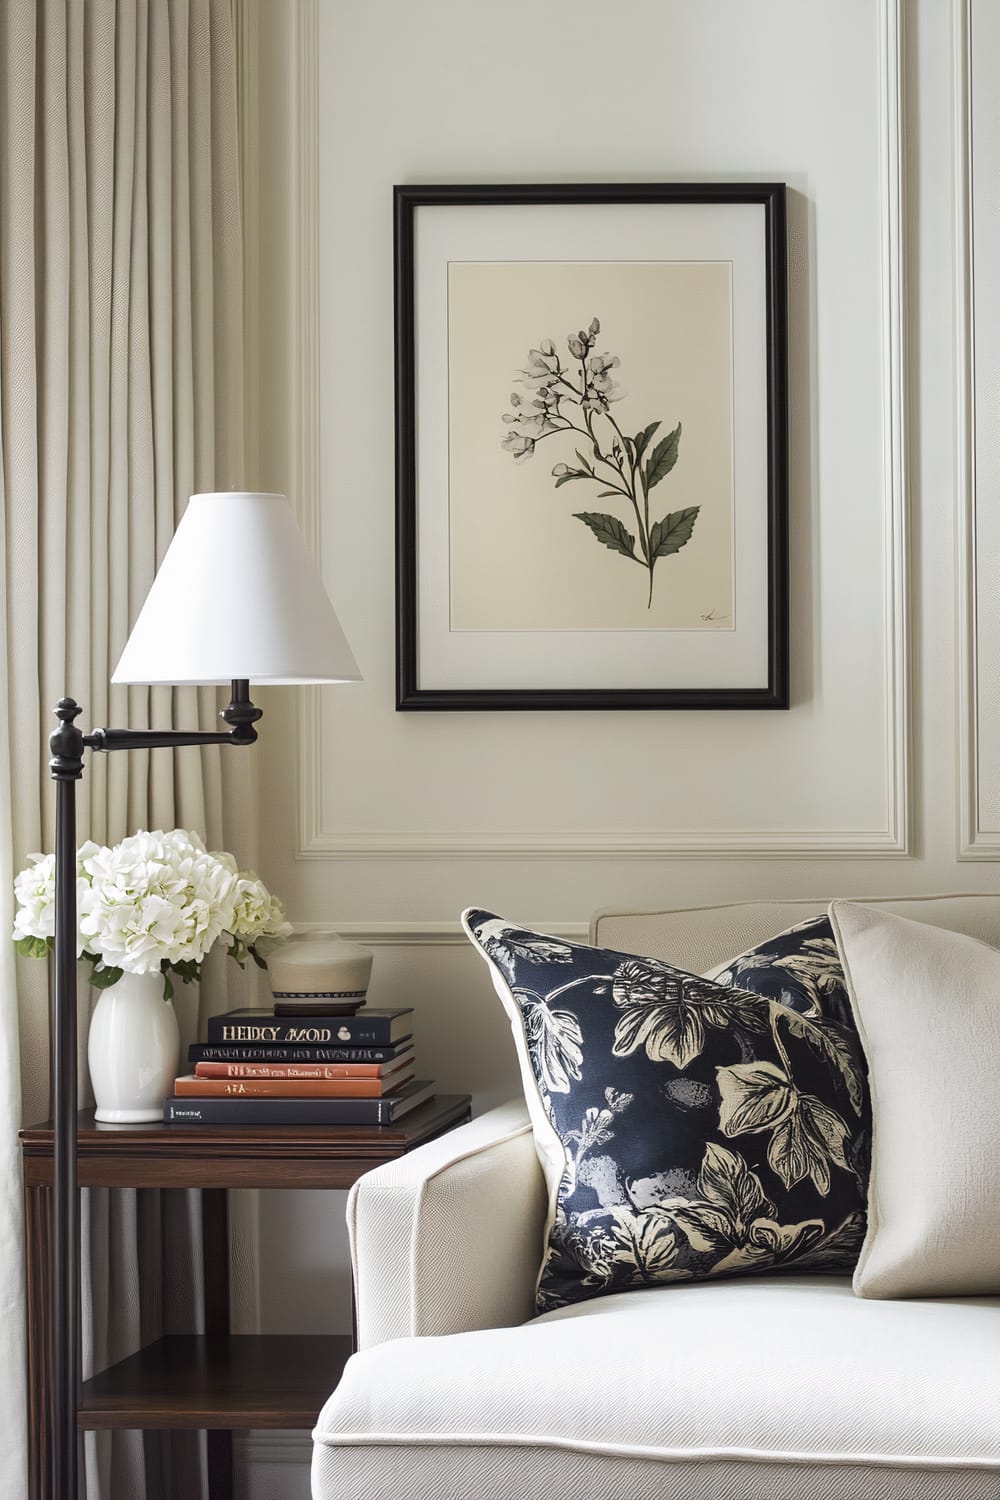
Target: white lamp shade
[[237, 596]]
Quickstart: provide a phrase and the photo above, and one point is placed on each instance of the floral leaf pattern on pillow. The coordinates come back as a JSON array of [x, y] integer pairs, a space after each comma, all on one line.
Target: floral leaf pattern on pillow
[[800, 968], [555, 1043], [830, 1042], [807, 1137], [667, 1012], [705, 1130], [734, 1219], [754, 1096], [808, 1143]]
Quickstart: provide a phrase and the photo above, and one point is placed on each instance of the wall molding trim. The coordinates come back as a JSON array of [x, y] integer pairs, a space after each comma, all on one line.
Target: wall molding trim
[[974, 841], [895, 423], [618, 844], [892, 841]]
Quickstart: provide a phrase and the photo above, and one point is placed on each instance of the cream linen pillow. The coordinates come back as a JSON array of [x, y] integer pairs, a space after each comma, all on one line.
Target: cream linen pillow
[[927, 1005]]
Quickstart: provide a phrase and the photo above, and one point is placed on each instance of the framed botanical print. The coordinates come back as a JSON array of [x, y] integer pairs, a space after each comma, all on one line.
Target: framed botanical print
[[591, 446]]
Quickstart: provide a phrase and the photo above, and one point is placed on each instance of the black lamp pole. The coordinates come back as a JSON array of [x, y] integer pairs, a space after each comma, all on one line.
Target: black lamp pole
[[67, 745]]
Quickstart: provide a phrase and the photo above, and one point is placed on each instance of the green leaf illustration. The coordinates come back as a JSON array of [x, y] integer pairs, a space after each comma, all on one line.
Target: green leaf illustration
[[609, 531], [642, 438], [663, 456], [565, 478], [673, 532]]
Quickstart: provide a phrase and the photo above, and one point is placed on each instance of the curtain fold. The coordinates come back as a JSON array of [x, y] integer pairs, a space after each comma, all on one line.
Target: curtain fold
[[121, 393]]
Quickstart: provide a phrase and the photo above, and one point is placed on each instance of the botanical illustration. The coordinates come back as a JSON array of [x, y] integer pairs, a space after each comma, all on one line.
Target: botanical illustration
[[577, 397], [706, 1130]]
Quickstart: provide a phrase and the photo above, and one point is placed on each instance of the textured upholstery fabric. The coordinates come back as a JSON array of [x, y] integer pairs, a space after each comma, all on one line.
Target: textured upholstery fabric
[[449, 1237], [704, 938], [927, 1004], [774, 1389], [751, 1389]]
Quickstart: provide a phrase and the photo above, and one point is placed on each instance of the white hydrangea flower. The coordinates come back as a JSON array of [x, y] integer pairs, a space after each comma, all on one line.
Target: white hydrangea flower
[[157, 897], [35, 893], [258, 914], [156, 900]]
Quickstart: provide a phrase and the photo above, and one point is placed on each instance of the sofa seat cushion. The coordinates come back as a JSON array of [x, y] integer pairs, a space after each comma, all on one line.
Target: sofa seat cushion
[[766, 1390]]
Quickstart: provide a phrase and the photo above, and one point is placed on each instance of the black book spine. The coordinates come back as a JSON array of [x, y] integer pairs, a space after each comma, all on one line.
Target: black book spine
[[250, 1111], [317, 1031], [278, 1052], [247, 1110]]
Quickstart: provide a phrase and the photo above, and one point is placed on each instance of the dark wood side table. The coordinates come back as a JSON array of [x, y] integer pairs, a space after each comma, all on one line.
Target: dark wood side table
[[217, 1381]]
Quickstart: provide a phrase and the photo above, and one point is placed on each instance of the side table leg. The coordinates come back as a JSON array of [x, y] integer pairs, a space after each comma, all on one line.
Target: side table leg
[[215, 1270], [220, 1465], [38, 1254]]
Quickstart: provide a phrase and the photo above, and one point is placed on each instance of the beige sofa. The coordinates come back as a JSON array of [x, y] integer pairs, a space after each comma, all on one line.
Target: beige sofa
[[766, 1388]]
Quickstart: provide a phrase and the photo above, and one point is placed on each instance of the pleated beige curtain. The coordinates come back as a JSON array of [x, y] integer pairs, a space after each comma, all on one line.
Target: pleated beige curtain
[[120, 394]]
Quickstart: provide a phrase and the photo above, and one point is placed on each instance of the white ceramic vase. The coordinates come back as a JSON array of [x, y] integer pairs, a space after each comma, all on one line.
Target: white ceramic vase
[[133, 1050]]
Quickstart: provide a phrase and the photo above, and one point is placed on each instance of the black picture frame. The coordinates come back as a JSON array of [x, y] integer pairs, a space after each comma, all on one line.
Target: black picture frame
[[413, 691]]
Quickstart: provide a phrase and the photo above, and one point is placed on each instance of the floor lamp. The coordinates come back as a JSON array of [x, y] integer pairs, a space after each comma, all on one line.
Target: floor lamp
[[237, 599]]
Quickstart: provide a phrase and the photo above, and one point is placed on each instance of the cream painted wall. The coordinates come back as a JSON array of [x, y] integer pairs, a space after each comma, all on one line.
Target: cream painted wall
[[385, 825]]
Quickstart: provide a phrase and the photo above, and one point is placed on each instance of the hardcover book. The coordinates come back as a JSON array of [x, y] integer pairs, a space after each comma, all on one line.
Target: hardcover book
[[277, 1052], [248, 1111], [369, 1028], [190, 1086], [303, 1071]]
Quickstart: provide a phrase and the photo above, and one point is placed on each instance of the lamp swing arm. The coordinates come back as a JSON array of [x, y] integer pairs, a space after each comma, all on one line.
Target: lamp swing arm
[[239, 713]]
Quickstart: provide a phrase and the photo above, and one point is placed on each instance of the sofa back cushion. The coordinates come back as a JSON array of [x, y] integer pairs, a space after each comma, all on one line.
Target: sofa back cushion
[[927, 1004], [700, 938], [686, 1128]]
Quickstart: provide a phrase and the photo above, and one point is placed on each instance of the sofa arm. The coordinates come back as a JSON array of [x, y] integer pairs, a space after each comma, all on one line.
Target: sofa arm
[[449, 1238]]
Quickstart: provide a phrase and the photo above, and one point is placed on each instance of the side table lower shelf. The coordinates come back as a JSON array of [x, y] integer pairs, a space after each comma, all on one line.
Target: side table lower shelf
[[217, 1381]]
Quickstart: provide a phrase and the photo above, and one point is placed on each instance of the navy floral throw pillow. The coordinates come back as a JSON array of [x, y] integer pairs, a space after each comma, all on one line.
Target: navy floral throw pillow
[[687, 1128]]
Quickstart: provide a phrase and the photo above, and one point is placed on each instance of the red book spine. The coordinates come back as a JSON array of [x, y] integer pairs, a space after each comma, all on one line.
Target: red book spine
[[299, 1071], [288, 1088]]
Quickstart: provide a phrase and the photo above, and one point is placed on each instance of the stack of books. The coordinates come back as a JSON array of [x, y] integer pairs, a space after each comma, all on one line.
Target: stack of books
[[292, 1066]]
